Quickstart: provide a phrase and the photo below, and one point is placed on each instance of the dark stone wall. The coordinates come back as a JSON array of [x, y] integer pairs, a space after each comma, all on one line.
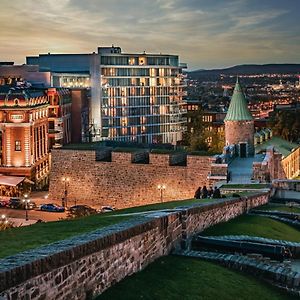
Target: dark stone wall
[[88, 264]]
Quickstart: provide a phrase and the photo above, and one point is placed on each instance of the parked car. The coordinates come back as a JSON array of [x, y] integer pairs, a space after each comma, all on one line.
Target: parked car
[[83, 210], [4, 203], [106, 209], [18, 203], [52, 207]]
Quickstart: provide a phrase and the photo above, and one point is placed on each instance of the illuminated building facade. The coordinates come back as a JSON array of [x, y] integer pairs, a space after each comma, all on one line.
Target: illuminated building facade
[[134, 97], [59, 117], [24, 133]]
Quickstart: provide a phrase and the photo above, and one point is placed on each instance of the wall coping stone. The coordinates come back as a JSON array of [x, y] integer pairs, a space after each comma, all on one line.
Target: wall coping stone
[[31, 263]]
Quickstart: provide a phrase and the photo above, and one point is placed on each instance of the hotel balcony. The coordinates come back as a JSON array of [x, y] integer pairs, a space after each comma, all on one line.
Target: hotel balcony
[[183, 65]]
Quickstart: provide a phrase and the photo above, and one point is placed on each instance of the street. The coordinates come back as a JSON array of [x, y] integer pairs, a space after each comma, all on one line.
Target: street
[[32, 214], [39, 198]]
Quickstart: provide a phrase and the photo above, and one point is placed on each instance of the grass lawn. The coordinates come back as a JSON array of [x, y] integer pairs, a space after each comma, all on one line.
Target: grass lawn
[[19, 239], [246, 186], [255, 226], [175, 277], [284, 208], [164, 205]]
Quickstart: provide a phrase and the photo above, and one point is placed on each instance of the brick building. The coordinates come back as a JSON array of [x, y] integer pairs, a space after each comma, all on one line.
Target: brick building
[[59, 117], [23, 133]]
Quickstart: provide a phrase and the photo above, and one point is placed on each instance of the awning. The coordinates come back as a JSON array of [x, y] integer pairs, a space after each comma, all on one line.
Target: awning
[[28, 181], [10, 180]]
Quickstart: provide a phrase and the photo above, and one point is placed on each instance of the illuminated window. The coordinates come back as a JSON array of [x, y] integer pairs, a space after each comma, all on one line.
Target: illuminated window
[[142, 61], [131, 61], [17, 145]]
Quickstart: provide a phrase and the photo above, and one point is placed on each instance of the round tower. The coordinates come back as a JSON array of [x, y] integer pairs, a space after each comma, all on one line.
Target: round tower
[[239, 124]]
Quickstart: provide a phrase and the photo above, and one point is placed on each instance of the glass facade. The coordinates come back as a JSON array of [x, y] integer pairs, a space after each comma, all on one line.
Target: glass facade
[[142, 96]]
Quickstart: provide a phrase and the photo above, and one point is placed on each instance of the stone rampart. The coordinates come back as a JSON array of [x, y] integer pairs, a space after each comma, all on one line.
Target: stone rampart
[[270, 168], [86, 265], [123, 183]]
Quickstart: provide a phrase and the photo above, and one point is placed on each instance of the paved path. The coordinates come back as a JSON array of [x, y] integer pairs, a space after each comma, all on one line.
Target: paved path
[[241, 169]]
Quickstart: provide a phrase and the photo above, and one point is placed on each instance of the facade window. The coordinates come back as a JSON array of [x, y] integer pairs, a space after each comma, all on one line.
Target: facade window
[[131, 61], [18, 145], [142, 61]]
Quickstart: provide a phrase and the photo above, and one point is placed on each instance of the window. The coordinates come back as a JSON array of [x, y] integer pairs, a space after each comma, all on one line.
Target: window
[[18, 145], [131, 61]]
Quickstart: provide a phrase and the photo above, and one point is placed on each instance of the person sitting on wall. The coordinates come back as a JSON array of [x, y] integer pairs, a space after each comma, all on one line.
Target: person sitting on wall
[[204, 192], [216, 193], [198, 193], [210, 192]]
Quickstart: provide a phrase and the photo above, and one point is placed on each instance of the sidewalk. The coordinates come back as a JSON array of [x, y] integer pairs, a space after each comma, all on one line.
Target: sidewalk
[[21, 222]]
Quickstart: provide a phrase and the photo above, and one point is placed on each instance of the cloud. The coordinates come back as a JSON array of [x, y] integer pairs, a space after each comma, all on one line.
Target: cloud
[[205, 33]]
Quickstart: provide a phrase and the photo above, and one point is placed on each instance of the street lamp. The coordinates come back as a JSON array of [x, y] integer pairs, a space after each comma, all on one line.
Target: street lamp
[[64, 201], [161, 188], [3, 222], [26, 201]]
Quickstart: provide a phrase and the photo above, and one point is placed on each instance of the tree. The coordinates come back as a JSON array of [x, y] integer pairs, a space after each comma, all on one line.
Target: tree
[[218, 141], [196, 134], [286, 124]]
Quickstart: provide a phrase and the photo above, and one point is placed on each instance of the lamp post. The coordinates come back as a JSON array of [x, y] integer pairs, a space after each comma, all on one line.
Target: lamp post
[[161, 188], [3, 222], [26, 201], [3, 219], [64, 201]]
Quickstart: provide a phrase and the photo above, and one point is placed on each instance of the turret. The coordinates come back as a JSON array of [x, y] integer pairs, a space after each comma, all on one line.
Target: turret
[[239, 124]]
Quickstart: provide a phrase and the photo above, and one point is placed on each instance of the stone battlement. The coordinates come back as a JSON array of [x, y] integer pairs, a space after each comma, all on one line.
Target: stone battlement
[[125, 179]]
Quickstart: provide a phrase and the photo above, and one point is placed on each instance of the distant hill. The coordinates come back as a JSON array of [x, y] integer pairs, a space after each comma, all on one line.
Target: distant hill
[[247, 70]]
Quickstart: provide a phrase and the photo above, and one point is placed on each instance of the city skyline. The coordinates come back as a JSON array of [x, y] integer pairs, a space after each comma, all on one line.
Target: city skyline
[[206, 34]]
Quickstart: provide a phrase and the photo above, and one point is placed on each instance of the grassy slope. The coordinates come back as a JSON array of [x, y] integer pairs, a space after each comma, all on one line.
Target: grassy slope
[[183, 278], [164, 205], [284, 208], [23, 238], [16, 240], [246, 186], [255, 226]]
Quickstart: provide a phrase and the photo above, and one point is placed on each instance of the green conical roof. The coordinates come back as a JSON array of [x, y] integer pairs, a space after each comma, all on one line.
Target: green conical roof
[[238, 108]]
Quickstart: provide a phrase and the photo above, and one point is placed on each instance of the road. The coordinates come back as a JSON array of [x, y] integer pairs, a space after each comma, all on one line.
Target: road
[[32, 214], [39, 198]]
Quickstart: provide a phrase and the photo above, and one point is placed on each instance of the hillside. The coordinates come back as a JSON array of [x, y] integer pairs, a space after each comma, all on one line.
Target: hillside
[[246, 70]]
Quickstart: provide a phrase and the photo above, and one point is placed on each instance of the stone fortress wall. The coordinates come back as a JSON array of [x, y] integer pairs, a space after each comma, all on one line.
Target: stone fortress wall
[[86, 265], [124, 179], [270, 168]]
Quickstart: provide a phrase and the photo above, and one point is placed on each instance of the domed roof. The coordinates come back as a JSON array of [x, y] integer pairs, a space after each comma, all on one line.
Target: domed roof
[[238, 108]]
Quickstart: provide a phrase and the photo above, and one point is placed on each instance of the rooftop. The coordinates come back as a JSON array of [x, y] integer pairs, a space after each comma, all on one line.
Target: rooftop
[[238, 108], [11, 92], [282, 146]]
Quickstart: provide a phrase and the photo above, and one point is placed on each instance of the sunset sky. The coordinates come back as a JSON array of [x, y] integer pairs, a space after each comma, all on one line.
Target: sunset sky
[[205, 33]]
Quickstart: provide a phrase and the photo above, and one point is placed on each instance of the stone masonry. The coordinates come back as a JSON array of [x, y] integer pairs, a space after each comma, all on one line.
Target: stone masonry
[[240, 132], [122, 184], [270, 168], [84, 266]]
